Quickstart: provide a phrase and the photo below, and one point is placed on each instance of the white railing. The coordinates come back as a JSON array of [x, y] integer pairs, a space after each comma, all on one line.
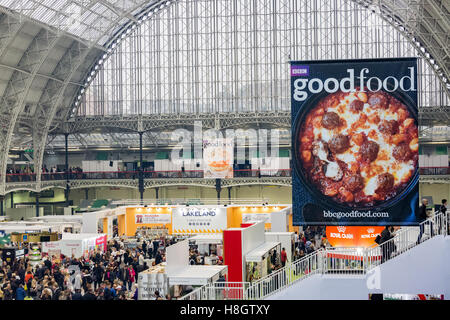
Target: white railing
[[280, 279], [197, 294], [348, 261], [219, 291], [406, 239]]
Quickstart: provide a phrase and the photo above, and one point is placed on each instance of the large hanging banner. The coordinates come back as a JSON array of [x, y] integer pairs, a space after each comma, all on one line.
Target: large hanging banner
[[218, 155], [198, 220], [152, 218], [355, 142]]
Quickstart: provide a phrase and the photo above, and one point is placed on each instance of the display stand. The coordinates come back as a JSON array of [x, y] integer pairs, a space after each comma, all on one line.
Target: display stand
[[35, 254]]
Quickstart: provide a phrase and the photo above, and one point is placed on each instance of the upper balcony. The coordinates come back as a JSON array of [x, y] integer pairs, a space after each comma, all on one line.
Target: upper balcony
[[282, 177]]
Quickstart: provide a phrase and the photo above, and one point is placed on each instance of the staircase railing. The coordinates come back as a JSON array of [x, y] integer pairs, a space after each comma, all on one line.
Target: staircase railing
[[326, 261]]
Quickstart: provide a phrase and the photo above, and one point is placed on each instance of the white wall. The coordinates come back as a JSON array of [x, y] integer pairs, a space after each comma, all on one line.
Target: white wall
[[177, 257], [89, 222], [422, 270], [253, 237], [26, 213], [438, 191], [279, 220]]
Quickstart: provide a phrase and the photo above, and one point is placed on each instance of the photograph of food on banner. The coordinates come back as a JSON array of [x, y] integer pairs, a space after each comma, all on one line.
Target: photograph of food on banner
[[355, 142], [218, 155]]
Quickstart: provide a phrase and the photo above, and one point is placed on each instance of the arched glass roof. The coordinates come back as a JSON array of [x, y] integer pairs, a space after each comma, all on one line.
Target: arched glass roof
[[92, 20], [203, 56]]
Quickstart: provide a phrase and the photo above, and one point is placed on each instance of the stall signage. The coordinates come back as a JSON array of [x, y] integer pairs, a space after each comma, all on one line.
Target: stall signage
[[193, 212], [351, 236], [198, 220], [247, 217], [152, 218], [100, 240]]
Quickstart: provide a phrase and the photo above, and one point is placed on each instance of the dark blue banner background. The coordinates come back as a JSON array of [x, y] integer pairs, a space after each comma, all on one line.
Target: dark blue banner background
[[307, 208]]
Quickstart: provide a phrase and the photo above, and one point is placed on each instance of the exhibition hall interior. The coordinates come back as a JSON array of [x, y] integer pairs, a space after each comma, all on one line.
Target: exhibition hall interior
[[224, 150]]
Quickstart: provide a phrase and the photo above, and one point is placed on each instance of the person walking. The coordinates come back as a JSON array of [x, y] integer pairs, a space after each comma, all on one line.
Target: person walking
[[283, 257], [442, 218], [144, 248], [421, 218], [130, 277], [387, 247], [98, 275]]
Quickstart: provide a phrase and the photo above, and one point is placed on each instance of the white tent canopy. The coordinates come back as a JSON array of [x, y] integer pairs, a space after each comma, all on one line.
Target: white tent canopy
[[258, 253], [197, 275]]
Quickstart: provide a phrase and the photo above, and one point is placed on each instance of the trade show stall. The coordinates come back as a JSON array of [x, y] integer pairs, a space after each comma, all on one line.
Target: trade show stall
[[246, 251], [78, 245], [210, 245], [70, 224], [185, 219], [287, 240], [176, 276], [151, 280], [259, 261], [10, 227]]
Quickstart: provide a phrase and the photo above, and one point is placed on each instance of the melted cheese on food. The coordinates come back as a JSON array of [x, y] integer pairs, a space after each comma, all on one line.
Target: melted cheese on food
[[333, 170], [400, 170]]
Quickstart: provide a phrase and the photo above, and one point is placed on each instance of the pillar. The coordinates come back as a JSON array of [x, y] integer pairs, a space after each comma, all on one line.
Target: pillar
[[12, 199], [157, 193], [37, 204], [229, 194], [141, 169], [218, 189], [86, 193], [1, 205], [67, 190]]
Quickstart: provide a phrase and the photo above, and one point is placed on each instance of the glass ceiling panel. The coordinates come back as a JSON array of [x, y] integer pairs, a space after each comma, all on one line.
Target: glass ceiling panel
[[93, 20], [194, 57]]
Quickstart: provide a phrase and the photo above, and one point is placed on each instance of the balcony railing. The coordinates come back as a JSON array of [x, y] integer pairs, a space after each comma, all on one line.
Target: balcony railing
[[183, 174], [434, 170], [240, 173]]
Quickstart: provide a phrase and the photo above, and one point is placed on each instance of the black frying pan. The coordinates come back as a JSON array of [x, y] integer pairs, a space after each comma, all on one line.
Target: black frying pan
[[327, 201]]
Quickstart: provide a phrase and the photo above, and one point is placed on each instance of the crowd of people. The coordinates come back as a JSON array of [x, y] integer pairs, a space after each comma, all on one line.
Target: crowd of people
[[110, 275], [311, 239]]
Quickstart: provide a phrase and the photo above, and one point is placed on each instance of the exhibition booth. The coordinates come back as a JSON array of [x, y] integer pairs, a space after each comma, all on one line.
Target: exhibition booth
[[247, 253], [208, 244], [287, 240], [159, 220], [176, 275], [78, 245], [259, 261]]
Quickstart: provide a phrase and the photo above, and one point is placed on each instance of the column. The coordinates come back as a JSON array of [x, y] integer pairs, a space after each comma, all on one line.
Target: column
[[229, 194], [141, 169], [12, 199], [218, 189], [67, 190], [86, 193], [37, 204], [157, 193], [1, 205]]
